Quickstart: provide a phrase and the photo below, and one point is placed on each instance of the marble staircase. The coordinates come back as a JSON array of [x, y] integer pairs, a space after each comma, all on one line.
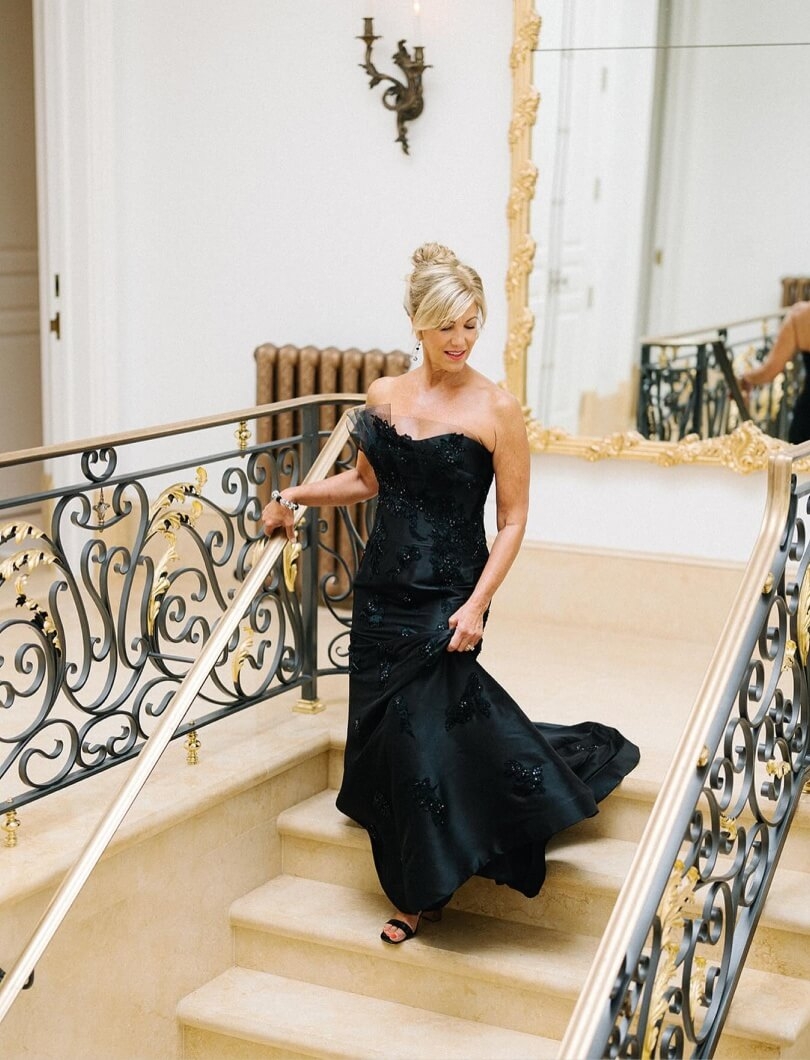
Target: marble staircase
[[498, 977], [237, 914]]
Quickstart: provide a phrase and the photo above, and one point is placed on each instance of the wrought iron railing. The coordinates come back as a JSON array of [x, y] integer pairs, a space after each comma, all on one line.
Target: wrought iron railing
[[687, 382], [112, 578], [666, 969], [260, 594]]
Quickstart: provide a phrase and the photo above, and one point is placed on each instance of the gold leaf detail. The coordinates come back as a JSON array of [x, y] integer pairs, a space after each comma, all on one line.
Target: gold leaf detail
[[697, 983], [27, 559], [525, 40], [42, 617], [519, 337], [803, 618], [242, 653], [19, 532], [524, 115], [777, 769], [521, 264], [161, 585], [789, 656], [178, 494], [292, 550], [676, 897], [613, 445], [746, 449], [522, 191], [729, 826]]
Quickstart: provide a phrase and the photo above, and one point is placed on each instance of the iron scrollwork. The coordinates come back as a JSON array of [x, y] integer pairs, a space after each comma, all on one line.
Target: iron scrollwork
[[103, 610], [671, 997]]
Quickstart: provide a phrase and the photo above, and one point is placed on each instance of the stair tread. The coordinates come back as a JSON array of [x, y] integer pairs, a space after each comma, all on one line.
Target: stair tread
[[593, 862], [268, 1009], [523, 955], [574, 859]]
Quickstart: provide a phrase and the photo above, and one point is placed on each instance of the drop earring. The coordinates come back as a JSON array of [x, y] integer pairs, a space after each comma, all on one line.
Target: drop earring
[[417, 352]]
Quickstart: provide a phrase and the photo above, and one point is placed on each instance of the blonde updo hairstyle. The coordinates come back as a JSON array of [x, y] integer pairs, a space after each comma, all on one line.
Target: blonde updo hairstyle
[[440, 288]]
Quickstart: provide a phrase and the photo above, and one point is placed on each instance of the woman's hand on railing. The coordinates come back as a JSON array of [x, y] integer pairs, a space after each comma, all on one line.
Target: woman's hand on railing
[[279, 513]]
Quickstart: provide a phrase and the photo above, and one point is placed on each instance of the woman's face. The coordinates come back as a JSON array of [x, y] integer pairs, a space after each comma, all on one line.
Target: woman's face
[[447, 349]]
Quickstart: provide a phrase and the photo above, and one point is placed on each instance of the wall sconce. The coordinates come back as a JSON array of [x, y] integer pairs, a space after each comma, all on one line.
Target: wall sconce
[[404, 99]]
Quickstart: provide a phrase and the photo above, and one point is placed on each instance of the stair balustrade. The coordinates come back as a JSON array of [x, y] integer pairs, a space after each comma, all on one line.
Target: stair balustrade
[[149, 595], [666, 969], [687, 382]]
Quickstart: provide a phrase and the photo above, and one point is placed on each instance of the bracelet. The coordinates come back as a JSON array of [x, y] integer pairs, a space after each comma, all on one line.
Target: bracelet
[[289, 505]]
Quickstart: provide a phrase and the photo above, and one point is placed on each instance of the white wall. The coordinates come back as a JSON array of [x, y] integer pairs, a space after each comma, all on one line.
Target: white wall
[[261, 196], [706, 512]]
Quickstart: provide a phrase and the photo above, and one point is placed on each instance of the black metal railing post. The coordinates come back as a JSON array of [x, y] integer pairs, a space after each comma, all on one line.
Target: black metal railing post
[[642, 413], [310, 444], [700, 382], [723, 362]]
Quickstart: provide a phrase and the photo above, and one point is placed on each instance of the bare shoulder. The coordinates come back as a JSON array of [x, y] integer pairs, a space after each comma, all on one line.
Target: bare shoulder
[[503, 408], [382, 390]]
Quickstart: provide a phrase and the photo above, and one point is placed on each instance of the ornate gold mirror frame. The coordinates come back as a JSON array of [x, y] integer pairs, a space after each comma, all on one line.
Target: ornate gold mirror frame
[[745, 449]]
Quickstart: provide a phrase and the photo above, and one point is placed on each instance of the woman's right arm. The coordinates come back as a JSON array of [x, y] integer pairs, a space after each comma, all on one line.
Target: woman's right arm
[[349, 487]]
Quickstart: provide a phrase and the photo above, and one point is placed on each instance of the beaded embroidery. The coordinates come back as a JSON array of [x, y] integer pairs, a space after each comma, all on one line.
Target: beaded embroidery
[[373, 612], [471, 703], [525, 779], [401, 707], [425, 796], [405, 557], [430, 647]]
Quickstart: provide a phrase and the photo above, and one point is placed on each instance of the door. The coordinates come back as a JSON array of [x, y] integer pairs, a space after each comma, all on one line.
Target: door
[[21, 420]]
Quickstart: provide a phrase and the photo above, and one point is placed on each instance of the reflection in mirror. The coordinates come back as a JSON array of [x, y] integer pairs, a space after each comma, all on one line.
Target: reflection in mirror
[[671, 198]]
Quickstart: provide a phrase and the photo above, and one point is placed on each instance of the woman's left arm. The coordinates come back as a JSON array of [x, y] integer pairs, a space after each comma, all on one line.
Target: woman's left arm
[[511, 460]]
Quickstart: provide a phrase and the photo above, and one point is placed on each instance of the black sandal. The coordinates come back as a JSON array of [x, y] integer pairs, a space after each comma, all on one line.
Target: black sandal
[[406, 929], [431, 915]]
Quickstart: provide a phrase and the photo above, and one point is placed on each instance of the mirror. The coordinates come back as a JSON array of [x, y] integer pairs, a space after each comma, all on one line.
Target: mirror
[[673, 160]]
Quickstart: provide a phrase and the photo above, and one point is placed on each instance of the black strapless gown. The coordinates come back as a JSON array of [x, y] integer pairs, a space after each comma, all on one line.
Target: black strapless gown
[[442, 768]]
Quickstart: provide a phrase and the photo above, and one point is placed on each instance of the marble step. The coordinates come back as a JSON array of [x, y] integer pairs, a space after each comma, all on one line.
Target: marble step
[[585, 874], [251, 1015], [517, 976], [477, 968]]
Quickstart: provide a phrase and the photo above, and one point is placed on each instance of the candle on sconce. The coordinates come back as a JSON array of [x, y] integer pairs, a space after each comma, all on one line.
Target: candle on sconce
[[417, 22]]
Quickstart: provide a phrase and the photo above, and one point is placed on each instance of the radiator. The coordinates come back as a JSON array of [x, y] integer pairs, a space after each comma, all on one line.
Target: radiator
[[795, 289], [286, 372]]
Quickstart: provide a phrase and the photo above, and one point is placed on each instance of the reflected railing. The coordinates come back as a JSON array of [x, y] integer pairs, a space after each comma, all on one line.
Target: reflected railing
[[257, 621], [668, 964], [688, 382], [113, 577]]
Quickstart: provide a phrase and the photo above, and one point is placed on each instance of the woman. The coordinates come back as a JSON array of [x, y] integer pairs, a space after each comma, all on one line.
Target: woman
[[793, 338], [445, 772]]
